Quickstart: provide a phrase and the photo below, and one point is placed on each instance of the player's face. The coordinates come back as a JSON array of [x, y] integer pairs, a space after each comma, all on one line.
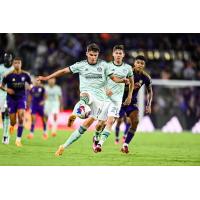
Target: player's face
[[92, 57], [139, 65], [52, 82], [17, 64], [118, 55], [37, 82]]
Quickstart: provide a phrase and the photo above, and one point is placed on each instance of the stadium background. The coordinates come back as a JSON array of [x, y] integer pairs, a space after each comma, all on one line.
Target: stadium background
[[170, 56]]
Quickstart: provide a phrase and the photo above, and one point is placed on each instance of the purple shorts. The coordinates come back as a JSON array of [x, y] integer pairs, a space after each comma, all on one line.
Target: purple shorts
[[14, 105], [126, 110], [37, 109]]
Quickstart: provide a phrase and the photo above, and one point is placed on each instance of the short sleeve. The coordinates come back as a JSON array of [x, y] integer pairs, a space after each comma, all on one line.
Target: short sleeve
[[28, 79], [130, 72], [109, 70], [148, 81], [75, 68]]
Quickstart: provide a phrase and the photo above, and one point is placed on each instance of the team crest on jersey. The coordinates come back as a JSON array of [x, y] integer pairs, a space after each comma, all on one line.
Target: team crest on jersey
[[40, 90], [99, 69], [13, 79], [23, 78]]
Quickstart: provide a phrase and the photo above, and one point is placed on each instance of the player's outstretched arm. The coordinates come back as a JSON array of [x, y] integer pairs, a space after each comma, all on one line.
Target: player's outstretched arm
[[58, 73], [119, 80], [149, 99], [130, 91]]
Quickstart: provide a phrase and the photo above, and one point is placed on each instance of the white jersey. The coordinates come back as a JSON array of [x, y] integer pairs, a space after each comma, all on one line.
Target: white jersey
[[92, 78], [53, 93], [4, 71]]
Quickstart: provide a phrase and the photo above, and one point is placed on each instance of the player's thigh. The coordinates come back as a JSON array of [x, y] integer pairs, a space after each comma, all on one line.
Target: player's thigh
[[114, 109], [96, 108], [103, 115]]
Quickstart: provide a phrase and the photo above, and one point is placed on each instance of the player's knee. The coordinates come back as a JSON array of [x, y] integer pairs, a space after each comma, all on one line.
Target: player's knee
[[99, 126], [12, 122]]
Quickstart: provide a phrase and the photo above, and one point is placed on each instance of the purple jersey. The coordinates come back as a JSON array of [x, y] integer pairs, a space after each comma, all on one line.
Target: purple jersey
[[139, 80], [37, 93], [17, 83]]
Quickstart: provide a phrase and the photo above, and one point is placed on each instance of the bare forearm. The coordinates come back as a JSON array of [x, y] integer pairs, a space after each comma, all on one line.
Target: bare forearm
[[149, 96], [117, 79], [131, 87], [58, 73]]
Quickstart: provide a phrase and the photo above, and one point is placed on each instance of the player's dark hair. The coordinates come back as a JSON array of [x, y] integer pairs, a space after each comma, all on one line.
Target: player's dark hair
[[93, 47], [18, 58], [119, 47], [140, 57]]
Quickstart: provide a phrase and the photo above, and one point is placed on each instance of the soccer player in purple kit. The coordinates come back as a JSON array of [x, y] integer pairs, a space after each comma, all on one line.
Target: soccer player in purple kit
[[16, 96], [36, 100], [140, 78]]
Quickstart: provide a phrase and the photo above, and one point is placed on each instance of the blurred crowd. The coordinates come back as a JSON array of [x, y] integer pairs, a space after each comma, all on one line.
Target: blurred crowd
[[170, 56]]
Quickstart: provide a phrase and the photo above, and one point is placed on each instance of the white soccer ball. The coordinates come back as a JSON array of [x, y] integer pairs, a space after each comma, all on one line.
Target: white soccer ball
[[83, 111]]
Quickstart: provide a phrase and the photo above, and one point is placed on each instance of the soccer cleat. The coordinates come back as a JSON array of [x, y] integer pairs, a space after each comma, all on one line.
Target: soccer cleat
[[18, 143], [60, 150], [53, 134], [11, 130], [124, 149], [95, 142], [116, 141], [5, 140], [30, 136], [98, 148], [45, 136], [71, 120]]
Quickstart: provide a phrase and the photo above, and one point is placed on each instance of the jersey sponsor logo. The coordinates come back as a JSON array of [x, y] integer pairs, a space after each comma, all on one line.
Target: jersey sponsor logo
[[141, 81], [99, 69], [23, 78], [40, 90], [13, 79], [93, 76]]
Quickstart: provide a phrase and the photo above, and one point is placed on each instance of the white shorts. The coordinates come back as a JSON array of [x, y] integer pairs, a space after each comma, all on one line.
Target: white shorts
[[3, 104], [95, 105], [110, 109], [51, 108]]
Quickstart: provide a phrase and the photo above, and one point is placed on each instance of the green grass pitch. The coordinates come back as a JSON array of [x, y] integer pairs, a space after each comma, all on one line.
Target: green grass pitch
[[150, 149]]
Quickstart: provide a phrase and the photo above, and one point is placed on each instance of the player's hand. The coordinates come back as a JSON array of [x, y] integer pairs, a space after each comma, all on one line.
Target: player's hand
[[109, 92], [126, 81], [127, 101], [41, 78], [137, 85], [10, 91], [148, 110]]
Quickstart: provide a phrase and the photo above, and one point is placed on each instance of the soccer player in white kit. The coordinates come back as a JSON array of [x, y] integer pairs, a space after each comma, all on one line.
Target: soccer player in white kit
[[92, 76], [52, 104], [5, 68], [115, 93]]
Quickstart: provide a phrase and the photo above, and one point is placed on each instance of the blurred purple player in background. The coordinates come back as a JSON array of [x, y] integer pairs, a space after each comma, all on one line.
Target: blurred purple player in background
[[16, 97], [36, 100]]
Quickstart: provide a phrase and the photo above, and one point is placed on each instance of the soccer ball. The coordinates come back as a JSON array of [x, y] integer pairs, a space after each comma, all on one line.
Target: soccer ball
[[83, 111]]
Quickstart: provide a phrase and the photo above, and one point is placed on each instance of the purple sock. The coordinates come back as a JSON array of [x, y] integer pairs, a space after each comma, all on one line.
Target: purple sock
[[19, 131], [117, 132], [127, 129], [32, 127], [130, 136]]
